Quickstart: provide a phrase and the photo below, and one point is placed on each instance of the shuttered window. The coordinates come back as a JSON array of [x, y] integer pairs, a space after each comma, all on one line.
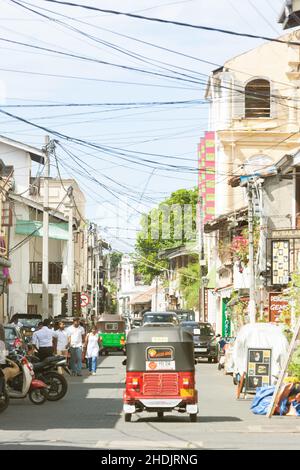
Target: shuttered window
[[258, 99]]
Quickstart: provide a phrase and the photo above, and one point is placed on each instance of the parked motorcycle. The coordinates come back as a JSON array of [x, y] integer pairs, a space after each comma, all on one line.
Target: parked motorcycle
[[4, 398], [21, 382], [47, 371]]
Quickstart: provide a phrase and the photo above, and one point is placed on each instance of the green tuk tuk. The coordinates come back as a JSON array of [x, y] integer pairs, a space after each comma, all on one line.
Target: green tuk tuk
[[112, 334]]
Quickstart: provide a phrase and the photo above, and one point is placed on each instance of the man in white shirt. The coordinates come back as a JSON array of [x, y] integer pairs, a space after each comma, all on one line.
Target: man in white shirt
[[62, 339], [44, 340], [76, 340]]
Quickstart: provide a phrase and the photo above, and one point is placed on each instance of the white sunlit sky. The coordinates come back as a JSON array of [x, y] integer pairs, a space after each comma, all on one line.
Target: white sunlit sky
[[132, 171]]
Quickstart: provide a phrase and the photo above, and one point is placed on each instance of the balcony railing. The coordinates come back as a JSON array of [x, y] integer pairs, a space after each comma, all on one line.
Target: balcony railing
[[36, 270]]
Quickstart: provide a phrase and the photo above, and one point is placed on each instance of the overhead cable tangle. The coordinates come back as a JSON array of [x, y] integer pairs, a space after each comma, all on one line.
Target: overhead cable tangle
[[79, 20], [173, 22]]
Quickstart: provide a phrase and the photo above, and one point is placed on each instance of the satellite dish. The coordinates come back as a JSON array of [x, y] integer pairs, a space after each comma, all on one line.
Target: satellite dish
[[259, 164]]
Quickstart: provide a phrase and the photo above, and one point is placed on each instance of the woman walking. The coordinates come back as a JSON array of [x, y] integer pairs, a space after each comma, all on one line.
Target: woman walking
[[92, 349]]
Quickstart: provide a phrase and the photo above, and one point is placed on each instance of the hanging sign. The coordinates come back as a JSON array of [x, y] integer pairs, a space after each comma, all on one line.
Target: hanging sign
[[280, 262]]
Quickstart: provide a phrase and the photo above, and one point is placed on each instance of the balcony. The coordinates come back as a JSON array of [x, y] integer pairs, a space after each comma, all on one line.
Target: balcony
[[54, 273]]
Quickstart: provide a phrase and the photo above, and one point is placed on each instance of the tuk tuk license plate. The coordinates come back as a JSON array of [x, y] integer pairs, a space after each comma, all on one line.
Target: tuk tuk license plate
[[160, 365], [200, 349]]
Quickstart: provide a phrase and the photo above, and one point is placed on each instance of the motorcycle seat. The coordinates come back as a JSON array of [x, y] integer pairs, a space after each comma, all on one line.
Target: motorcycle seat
[[47, 361]]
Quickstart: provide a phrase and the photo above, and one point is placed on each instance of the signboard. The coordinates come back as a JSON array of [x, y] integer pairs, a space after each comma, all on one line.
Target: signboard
[[160, 358], [280, 262], [76, 307], [258, 369], [285, 234], [84, 300], [277, 304], [226, 322]]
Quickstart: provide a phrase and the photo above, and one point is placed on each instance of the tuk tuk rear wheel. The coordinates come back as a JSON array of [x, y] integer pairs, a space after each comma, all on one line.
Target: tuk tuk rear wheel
[[160, 414], [193, 418], [127, 417]]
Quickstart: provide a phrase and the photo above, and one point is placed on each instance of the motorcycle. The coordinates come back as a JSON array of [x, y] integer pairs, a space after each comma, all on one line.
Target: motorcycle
[[20, 380], [47, 371], [4, 398]]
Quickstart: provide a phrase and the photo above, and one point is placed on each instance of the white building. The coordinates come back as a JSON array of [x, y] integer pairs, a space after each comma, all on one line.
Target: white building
[[130, 287], [26, 231]]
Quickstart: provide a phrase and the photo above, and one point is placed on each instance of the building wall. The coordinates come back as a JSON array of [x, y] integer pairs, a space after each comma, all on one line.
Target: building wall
[[206, 177], [278, 201], [238, 138], [20, 265], [21, 162]]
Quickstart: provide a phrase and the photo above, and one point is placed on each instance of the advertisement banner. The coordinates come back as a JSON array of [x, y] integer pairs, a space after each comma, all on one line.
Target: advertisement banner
[[277, 303]]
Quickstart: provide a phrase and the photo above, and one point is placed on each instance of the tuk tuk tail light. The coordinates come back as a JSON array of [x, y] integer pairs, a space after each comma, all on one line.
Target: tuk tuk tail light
[[186, 382], [135, 382], [122, 341]]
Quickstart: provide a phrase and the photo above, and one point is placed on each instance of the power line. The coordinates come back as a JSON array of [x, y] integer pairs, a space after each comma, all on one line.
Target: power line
[[172, 22]]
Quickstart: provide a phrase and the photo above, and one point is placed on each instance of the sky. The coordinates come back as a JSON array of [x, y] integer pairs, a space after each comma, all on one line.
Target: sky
[[140, 153]]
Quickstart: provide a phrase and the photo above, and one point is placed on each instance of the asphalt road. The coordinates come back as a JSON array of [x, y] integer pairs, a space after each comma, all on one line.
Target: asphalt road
[[90, 416]]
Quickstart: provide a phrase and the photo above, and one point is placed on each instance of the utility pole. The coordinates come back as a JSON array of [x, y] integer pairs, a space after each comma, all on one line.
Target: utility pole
[[201, 256], [252, 303], [70, 254], [156, 293], [45, 264]]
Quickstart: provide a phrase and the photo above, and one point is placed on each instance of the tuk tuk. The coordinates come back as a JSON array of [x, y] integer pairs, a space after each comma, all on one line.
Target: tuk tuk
[[112, 334], [160, 372]]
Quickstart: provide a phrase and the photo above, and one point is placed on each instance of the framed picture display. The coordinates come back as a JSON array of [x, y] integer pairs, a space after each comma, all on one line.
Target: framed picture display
[[258, 369]]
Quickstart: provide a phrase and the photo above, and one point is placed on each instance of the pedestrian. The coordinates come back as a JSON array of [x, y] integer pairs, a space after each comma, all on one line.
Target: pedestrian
[[75, 342], [16, 322], [62, 339], [92, 350], [44, 341]]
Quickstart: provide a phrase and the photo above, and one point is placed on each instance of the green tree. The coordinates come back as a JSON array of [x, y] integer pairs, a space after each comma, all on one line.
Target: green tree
[[169, 225], [115, 259]]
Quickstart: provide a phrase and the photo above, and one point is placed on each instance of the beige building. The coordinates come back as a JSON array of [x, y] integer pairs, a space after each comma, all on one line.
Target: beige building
[[254, 111]]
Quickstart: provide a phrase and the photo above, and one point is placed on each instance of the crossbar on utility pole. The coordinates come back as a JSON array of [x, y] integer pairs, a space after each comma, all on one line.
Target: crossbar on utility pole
[[45, 268]]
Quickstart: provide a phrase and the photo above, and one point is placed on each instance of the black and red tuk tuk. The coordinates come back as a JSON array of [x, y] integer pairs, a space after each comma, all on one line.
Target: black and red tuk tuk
[[160, 372]]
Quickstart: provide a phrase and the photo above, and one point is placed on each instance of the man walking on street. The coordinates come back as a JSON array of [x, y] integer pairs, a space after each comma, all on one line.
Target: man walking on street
[[62, 339], [44, 340], [76, 339]]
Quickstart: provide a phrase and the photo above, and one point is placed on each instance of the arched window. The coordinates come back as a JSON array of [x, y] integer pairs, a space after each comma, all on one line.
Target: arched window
[[258, 99]]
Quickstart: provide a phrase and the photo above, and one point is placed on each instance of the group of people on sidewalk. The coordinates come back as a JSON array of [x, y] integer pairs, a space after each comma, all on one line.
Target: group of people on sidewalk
[[74, 339]]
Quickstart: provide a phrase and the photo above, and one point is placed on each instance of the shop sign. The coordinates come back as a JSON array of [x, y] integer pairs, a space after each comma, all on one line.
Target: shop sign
[[277, 303], [280, 262], [258, 369], [285, 234]]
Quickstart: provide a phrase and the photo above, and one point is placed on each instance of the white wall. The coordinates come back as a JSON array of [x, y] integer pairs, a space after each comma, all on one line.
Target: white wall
[[20, 265], [21, 162]]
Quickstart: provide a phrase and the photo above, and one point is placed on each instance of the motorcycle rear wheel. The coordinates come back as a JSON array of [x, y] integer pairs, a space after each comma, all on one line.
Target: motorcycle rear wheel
[[58, 386], [36, 396], [4, 402]]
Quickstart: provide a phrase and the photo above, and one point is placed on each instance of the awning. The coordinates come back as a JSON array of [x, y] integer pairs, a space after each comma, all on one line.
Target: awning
[[57, 231], [144, 297]]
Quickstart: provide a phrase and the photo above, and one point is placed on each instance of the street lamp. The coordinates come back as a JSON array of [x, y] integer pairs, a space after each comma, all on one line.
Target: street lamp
[[204, 284]]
